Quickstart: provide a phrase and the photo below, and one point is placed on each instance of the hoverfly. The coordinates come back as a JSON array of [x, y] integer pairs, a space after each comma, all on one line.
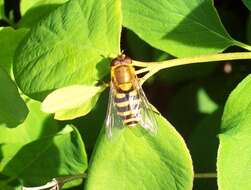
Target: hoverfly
[[128, 105]]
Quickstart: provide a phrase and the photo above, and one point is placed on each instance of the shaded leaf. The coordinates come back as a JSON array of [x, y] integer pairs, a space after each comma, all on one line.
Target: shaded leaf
[[6, 186], [136, 160], [71, 101], [9, 39], [13, 110], [34, 11], [140, 50], [193, 104], [64, 52], [181, 28], [90, 125], [26, 5], [235, 140], [203, 143], [48, 152], [247, 3]]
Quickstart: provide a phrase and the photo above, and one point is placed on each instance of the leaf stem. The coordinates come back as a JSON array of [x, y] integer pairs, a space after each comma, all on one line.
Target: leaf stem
[[65, 179], [146, 69], [154, 67], [205, 175], [242, 45]]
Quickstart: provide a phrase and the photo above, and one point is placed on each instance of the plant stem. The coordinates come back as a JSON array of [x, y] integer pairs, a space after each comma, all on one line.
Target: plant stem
[[146, 69], [205, 175], [154, 67], [65, 179], [242, 45]]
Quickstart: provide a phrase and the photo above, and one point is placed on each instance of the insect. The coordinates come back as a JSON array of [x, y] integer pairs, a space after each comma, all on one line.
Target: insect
[[128, 105]]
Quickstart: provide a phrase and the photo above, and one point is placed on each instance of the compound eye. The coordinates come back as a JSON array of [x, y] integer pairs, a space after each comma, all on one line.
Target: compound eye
[[121, 59], [114, 62], [128, 60]]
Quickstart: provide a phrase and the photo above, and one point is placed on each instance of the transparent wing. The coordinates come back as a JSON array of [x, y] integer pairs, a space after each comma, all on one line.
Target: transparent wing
[[148, 119], [112, 119]]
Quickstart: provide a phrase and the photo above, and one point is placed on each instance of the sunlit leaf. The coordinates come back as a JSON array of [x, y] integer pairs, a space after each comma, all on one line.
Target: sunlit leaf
[[136, 160], [234, 154], [181, 28], [205, 103], [1, 9], [71, 101], [69, 47]]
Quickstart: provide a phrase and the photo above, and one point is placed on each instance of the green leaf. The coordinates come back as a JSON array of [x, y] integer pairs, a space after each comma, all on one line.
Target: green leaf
[[37, 124], [13, 110], [6, 186], [134, 159], [181, 28], [69, 47], [90, 125], [140, 50], [43, 151], [191, 102], [205, 103], [234, 154], [27, 5], [203, 143], [72, 101], [34, 11], [247, 3], [2, 9], [9, 39]]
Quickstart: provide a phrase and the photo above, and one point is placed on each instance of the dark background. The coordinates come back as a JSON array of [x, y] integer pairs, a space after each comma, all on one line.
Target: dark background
[[174, 92]]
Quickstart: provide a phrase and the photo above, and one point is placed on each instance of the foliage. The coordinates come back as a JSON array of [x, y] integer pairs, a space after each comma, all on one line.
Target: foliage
[[234, 138], [54, 71]]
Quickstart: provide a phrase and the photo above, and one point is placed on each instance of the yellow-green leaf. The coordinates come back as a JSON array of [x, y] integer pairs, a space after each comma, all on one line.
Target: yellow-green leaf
[[72, 101], [136, 160]]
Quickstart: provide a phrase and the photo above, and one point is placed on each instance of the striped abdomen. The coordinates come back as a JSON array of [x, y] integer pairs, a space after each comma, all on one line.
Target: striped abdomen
[[128, 107]]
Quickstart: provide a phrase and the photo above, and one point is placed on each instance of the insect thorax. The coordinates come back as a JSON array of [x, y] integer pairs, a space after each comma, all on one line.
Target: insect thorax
[[123, 77]]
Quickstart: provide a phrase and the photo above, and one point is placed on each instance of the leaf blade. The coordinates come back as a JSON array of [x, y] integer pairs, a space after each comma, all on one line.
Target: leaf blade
[[234, 139], [13, 110], [247, 3], [141, 161], [41, 136], [65, 52], [72, 101], [181, 28], [34, 11], [9, 39]]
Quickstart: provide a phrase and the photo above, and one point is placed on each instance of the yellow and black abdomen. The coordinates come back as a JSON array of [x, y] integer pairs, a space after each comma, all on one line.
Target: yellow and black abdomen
[[128, 107]]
